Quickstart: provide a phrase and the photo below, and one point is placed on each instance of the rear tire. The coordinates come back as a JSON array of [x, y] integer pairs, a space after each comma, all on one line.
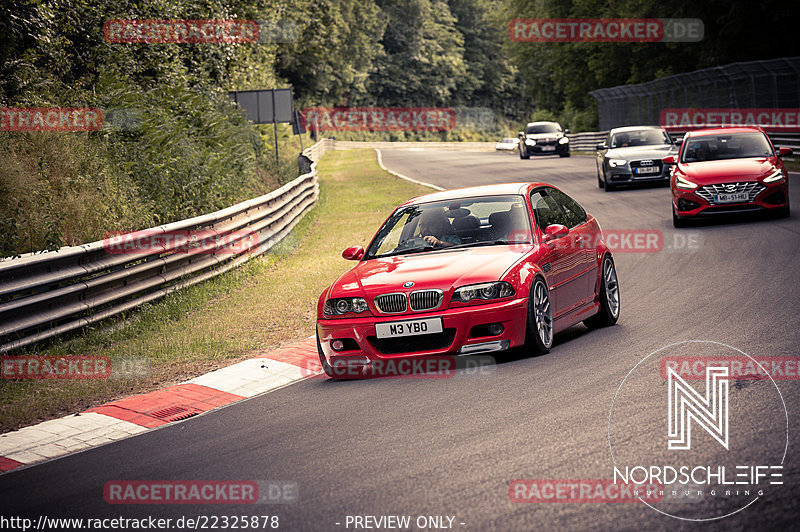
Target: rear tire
[[610, 303], [539, 332]]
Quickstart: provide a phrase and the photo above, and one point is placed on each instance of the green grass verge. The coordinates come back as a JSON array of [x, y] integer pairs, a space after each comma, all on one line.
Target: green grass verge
[[267, 302]]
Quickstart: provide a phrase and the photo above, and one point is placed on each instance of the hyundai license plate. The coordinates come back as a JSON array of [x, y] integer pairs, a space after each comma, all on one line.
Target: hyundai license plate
[[738, 197], [394, 329]]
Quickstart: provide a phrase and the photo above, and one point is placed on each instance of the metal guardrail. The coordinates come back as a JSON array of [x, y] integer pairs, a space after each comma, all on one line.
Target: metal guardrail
[[43, 295], [586, 141]]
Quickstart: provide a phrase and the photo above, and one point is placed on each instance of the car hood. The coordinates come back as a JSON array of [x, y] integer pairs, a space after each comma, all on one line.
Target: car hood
[[713, 172], [635, 153], [444, 270]]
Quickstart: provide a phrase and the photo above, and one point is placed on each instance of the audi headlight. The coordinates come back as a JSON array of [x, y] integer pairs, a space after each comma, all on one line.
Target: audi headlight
[[343, 305], [617, 162], [483, 291], [680, 182], [563, 140], [530, 142], [777, 175]]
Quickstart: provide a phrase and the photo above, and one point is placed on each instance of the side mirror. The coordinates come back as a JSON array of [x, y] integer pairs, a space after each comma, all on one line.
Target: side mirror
[[601, 147], [353, 253], [552, 232], [783, 152], [679, 141], [670, 159], [521, 134], [566, 131]]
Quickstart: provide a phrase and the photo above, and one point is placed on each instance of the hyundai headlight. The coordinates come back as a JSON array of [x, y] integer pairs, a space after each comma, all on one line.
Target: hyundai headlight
[[483, 291], [681, 182], [343, 305], [777, 175]]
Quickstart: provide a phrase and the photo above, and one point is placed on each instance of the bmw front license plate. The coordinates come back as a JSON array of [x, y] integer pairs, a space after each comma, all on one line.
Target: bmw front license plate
[[648, 170], [732, 198], [394, 329]]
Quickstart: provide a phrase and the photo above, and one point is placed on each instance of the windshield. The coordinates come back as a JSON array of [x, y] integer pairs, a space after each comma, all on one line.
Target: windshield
[[545, 127], [728, 146], [480, 221], [639, 137]]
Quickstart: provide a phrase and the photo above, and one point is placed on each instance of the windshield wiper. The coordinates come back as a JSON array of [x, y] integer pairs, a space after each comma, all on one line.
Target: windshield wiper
[[405, 252], [481, 243]]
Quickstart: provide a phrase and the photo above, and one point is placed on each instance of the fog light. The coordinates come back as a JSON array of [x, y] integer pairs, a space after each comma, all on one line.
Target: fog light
[[496, 329], [337, 345]]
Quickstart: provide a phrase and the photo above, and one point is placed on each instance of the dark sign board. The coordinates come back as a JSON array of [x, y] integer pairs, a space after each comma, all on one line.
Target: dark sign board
[[267, 106]]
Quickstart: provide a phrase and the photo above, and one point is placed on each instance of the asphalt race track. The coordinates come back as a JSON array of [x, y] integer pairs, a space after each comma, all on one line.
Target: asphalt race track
[[450, 447]]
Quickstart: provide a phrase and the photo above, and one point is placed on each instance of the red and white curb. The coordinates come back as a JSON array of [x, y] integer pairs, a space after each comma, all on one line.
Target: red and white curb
[[133, 415]]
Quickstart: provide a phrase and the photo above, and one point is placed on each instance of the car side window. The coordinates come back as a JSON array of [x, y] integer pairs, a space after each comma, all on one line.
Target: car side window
[[574, 212], [546, 210]]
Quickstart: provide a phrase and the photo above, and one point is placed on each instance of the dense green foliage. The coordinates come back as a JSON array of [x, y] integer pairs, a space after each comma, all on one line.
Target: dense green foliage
[[189, 151]]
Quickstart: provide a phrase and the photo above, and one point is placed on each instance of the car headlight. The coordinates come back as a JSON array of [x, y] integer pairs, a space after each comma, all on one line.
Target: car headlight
[[680, 182], [530, 142], [617, 162], [343, 305], [483, 291], [563, 140], [777, 175]]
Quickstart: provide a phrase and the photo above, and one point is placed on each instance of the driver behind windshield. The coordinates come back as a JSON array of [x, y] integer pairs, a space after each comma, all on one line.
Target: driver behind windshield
[[436, 230]]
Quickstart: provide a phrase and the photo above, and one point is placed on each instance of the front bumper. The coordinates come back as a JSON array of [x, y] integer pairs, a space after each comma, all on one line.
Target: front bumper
[[688, 204], [463, 332], [626, 175], [553, 148]]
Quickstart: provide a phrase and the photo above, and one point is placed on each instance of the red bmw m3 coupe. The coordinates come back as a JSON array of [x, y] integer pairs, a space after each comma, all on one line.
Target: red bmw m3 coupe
[[728, 171], [465, 271]]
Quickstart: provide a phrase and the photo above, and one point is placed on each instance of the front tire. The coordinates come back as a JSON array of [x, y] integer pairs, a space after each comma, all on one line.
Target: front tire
[[677, 222], [323, 361], [539, 331], [523, 153], [610, 303]]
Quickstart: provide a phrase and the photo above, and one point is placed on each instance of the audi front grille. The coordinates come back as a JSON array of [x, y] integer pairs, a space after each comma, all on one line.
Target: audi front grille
[[752, 188]]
